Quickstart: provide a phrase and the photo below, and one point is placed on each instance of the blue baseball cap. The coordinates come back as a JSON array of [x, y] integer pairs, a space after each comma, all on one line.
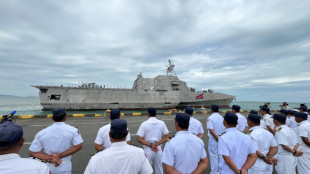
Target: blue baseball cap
[[118, 126], [114, 114], [152, 111], [10, 134], [189, 110], [59, 112]]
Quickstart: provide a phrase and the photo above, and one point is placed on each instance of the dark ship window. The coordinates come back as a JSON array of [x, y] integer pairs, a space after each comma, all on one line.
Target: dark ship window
[[55, 97], [115, 103], [43, 90]]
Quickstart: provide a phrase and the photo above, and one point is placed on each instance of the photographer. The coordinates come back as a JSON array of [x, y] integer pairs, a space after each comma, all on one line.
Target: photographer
[[11, 141]]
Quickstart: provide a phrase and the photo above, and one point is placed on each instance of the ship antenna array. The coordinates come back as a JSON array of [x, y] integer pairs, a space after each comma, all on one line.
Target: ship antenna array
[[170, 68]]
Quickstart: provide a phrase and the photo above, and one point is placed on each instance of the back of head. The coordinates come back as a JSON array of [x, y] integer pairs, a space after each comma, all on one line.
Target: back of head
[[280, 117], [59, 114], [302, 115], [236, 108], [118, 129], [215, 108], [290, 112], [254, 118], [231, 119], [253, 112], [283, 111], [303, 108], [10, 134], [183, 120], [189, 110], [115, 114], [266, 109], [152, 111]]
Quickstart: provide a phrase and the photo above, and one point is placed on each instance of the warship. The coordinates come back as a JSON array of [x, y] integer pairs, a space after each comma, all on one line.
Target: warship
[[162, 92]]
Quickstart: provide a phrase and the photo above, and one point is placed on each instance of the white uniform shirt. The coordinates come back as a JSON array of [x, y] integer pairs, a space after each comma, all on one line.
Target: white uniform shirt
[[262, 139], [285, 136], [195, 126], [103, 137], [56, 138], [215, 122], [13, 164], [237, 145], [293, 124], [287, 121], [152, 130], [304, 131], [242, 122], [263, 124], [184, 152], [119, 158], [308, 117], [268, 120]]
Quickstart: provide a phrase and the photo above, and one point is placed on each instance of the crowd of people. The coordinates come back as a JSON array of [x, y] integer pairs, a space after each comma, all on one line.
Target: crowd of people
[[255, 144]]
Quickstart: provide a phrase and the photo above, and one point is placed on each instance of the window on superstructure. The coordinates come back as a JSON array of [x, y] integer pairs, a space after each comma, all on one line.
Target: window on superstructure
[[55, 97]]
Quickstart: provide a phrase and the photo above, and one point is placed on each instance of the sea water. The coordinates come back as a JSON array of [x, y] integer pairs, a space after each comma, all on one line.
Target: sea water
[[31, 106]]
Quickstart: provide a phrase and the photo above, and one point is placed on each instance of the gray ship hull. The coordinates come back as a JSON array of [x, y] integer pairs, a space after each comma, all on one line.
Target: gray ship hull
[[162, 92]]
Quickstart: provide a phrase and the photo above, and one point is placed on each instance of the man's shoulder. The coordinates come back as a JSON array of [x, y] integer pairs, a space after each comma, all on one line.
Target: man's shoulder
[[30, 163]]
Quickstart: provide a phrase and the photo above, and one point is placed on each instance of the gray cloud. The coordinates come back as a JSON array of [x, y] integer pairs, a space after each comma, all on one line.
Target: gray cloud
[[256, 50]]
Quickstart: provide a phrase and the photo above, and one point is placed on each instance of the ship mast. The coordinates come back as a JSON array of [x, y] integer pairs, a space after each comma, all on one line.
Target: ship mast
[[170, 68]]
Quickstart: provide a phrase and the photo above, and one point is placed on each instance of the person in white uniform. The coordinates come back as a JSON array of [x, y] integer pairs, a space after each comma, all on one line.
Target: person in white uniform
[[152, 133], [267, 119], [215, 127], [195, 125], [102, 140], [303, 162], [11, 141], [287, 146], [287, 121], [308, 112], [120, 157], [293, 123], [237, 149], [184, 153], [242, 123], [60, 140], [265, 144], [262, 123]]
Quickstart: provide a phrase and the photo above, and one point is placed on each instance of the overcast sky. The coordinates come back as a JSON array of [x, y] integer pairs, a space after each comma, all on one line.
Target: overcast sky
[[257, 50]]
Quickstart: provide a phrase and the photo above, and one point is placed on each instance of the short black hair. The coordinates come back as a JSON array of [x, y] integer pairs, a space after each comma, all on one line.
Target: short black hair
[[280, 117], [231, 119], [119, 136], [215, 108], [183, 120], [59, 118]]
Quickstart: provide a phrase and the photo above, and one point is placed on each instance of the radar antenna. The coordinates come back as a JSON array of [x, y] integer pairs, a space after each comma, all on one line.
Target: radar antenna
[[170, 68]]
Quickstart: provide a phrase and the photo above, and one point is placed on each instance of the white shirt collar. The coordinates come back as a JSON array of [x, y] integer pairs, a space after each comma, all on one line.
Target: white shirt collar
[[59, 123], [231, 129], [254, 127], [181, 132], [9, 156], [152, 118], [121, 143]]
